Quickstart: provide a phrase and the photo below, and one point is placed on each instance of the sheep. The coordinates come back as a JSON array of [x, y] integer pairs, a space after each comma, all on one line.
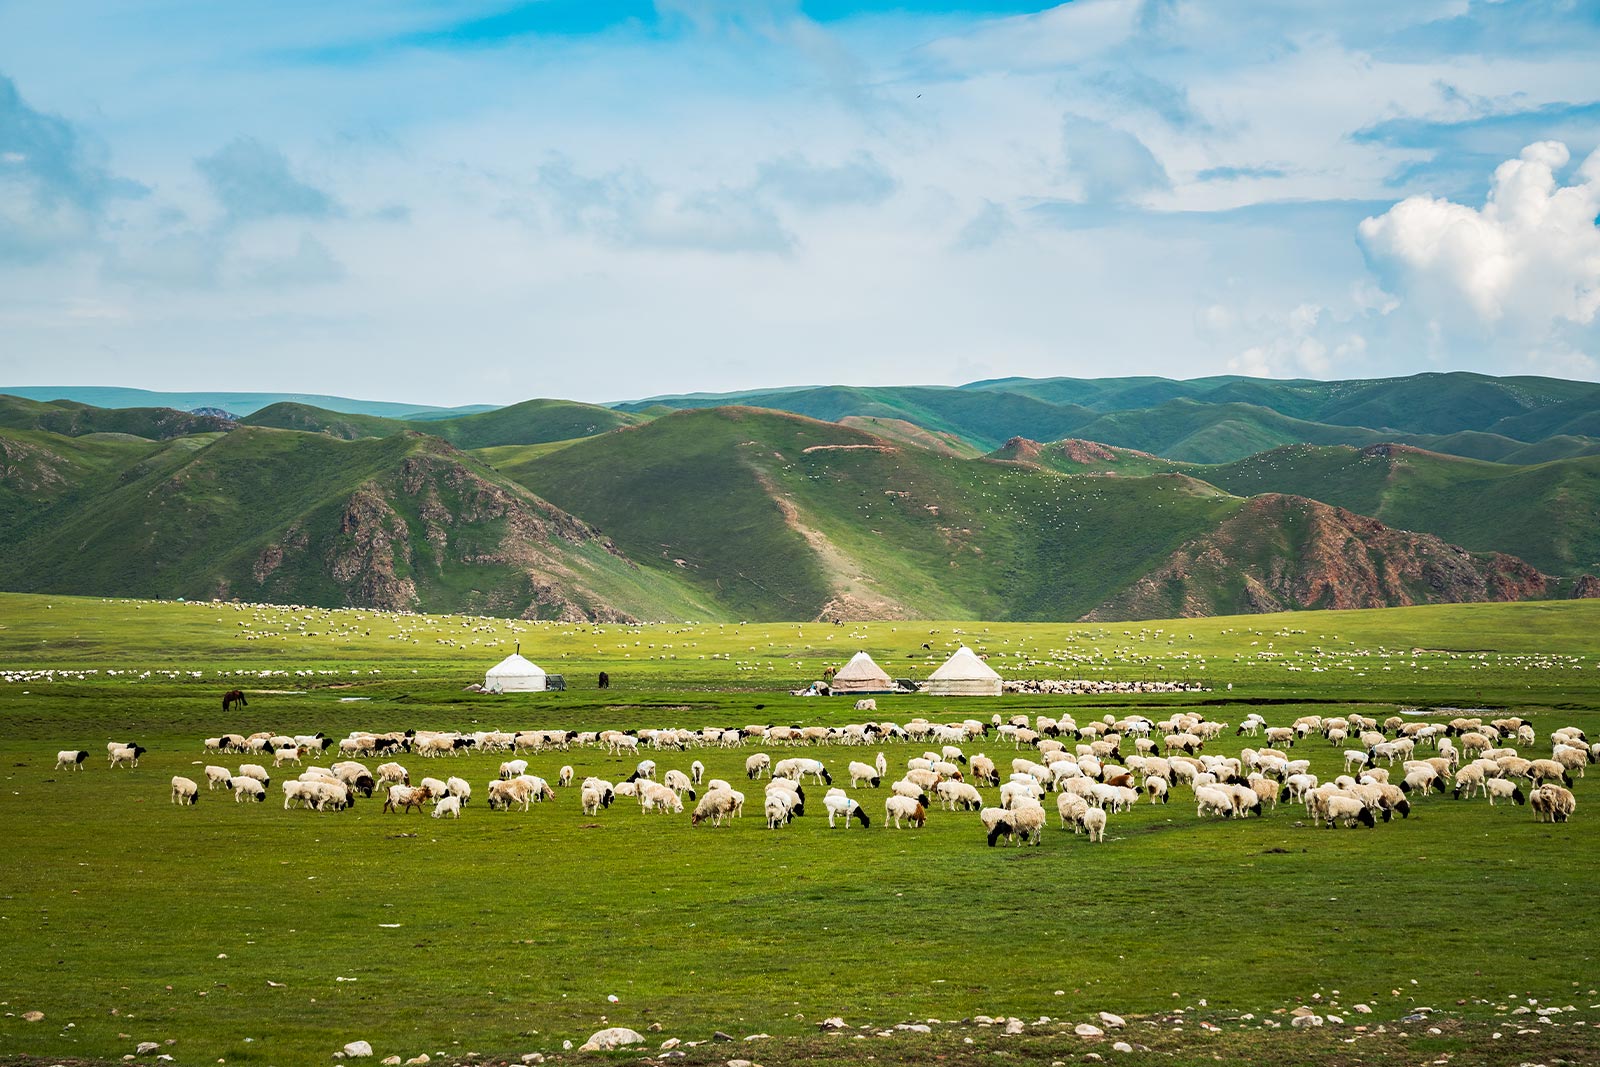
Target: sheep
[[565, 775], [898, 807], [715, 806], [1157, 787], [393, 774], [1025, 824], [185, 791], [1094, 822], [402, 798], [503, 794], [1354, 758], [326, 792], [129, 754], [513, 767], [1554, 801], [983, 769], [1025, 788], [69, 757], [654, 796], [780, 807], [799, 766], [1570, 757], [645, 769], [219, 778], [679, 783], [596, 794], [1070, 806], [867, 705], [1349, 810], [256, 771], [1211, 798], [1504, 789], [356, 776], [450, 806], [1423, 778], [1540, 769], [287, 754], [757, 765], [862, 772], [1469, 778], [298, 792], [459, 788], [1296, 786], [434, 788], [248, 789], [840, 805], [958, 795], [697, 772]]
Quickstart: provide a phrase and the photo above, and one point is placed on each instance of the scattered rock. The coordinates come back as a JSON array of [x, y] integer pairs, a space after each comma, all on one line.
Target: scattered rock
[[1014, 1026], [1122, 1046], [674, 1054], [757, 1037], [358, 1048], [1116, 1022], [144, 1048], [1363, 1009], [720, 1036], [419, 1060], [390, 1061], [916, 1028], [1334, 1019], [654, 1028], [671, 1042], [611, 1037], [533, 1057], [740, 1063], [1088, 1030], [1304, 1021], [835, 1023], [983, 1020], [566, 1046], [33, 1016]]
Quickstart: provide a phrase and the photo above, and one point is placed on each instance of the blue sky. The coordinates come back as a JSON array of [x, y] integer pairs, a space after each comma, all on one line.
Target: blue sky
[[459, 202]]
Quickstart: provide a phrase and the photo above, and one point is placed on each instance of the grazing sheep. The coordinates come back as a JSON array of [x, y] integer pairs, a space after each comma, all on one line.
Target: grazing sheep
[[73, 758], [459, 788], [867, 705], [757, 765], [697, 772], [715, 806], [450, 806], [838, 804], [248, 789], [403, 798], [797, 767], [596, 794], [984, 770], [1504, 789], [1554, 801], [1339, 808], [513, 767], [1094, 822], [185, 791], [287, 754], [780, 807], [1541, 769], [1158, 788], [654, 796], [862, 772], [955, 795], [565, 775], [129, 754], [679, 783], [1071, 808], [219, 778], [296, 792], [1023, 824], [898, 807], [1213, 799], [254, 770], [393, 774]]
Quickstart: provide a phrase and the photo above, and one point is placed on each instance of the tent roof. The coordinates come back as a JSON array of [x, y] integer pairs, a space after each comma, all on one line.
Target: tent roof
[[861, 668], [514, 666], [963, 664]]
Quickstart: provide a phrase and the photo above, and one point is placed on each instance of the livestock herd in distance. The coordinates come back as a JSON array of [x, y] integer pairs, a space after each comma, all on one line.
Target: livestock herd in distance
[[1089, 771]]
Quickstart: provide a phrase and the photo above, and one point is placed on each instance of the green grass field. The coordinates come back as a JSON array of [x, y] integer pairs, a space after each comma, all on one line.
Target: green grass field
[[251, 934]]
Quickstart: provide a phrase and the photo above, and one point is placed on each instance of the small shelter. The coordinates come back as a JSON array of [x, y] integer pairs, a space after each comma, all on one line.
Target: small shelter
[[861, 675], [515, 675], [963, 675]]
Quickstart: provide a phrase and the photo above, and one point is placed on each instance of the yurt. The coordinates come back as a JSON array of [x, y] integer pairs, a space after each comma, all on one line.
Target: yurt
[[963, 675], [514, 675], [861, 675]]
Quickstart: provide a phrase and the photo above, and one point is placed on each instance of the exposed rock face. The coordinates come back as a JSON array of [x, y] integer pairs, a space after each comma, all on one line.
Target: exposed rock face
[[1586, 587], [1280, 553], [31, 469]]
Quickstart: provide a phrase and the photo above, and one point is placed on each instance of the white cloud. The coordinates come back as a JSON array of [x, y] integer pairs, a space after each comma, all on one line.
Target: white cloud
[[1528, 260]]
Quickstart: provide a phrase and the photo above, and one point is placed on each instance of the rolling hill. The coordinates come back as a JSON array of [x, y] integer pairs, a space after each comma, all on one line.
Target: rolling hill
[[72, 419], [235, 403], [528, 423]]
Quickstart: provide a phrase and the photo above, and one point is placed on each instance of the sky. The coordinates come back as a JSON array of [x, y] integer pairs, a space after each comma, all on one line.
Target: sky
[[484, 201]]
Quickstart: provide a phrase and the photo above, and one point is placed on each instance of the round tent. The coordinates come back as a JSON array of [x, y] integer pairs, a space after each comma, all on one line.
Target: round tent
[[514, 675], [963, 675], [861, 675]]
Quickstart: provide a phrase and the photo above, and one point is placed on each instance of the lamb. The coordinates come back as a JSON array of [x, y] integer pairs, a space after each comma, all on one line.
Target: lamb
[[185, 791], [898, 807], [1024, 823], [73, 758], [954, 795], [862, 772], [882, 764], [450, 806], [715, 806], [1554, 801], [840, 805], [248, 789]]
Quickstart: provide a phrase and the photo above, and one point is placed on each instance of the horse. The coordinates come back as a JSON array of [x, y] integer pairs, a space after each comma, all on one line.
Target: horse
[[232, 697]]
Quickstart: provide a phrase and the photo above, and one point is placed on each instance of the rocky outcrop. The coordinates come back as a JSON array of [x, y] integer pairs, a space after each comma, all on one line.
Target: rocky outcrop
[[1281, 553]]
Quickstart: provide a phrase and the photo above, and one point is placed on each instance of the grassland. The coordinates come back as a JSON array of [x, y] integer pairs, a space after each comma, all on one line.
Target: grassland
[[258, 935]]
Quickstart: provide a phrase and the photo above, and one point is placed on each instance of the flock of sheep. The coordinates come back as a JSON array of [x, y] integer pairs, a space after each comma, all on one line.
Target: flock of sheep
[[1096, 769]]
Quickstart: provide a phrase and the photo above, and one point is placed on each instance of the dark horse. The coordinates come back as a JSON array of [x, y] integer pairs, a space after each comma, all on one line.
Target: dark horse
[[232, 697], [605, 680]]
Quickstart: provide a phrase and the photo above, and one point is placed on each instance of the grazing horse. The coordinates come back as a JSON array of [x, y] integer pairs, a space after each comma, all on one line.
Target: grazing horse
[[605, 680], [232, 697]]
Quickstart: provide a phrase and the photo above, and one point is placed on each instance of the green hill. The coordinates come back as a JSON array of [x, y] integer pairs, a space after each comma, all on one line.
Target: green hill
[[530, 422], [106, 396], [264, 514], [72, 419]]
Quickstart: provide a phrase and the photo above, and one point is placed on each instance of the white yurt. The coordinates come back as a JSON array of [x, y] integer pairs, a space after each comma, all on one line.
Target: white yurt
[[963, 675], [514, 675], [861, 675]]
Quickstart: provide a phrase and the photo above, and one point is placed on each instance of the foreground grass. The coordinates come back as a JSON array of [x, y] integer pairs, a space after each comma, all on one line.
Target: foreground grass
[[258, 935]]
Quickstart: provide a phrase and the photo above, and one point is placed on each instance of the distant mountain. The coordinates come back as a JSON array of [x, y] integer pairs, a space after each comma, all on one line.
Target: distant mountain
[[528, 423], [107, 396], [72, 419]]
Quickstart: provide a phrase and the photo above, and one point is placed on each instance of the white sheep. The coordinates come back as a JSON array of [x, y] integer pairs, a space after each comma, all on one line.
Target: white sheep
[[459, 788], [697, 772], [248, 789], [393, 774], [70, 757], [185, 791], [1094, 822], [1024, 824], [254, 770], [513, 767], [757, 765], [955, 795], [120, 754], [838, 804], [898, 808], [862, 772], [450, 806], [715, 806], [565, 775], [219, 778]]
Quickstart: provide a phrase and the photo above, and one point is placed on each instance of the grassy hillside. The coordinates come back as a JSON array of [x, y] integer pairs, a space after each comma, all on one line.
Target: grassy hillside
[[235, 403], [530, 422], [72, 419], [268, 514]]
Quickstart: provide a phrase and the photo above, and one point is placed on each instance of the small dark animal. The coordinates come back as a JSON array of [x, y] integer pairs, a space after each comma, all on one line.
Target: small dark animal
[[232, 697], [605, 680]]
